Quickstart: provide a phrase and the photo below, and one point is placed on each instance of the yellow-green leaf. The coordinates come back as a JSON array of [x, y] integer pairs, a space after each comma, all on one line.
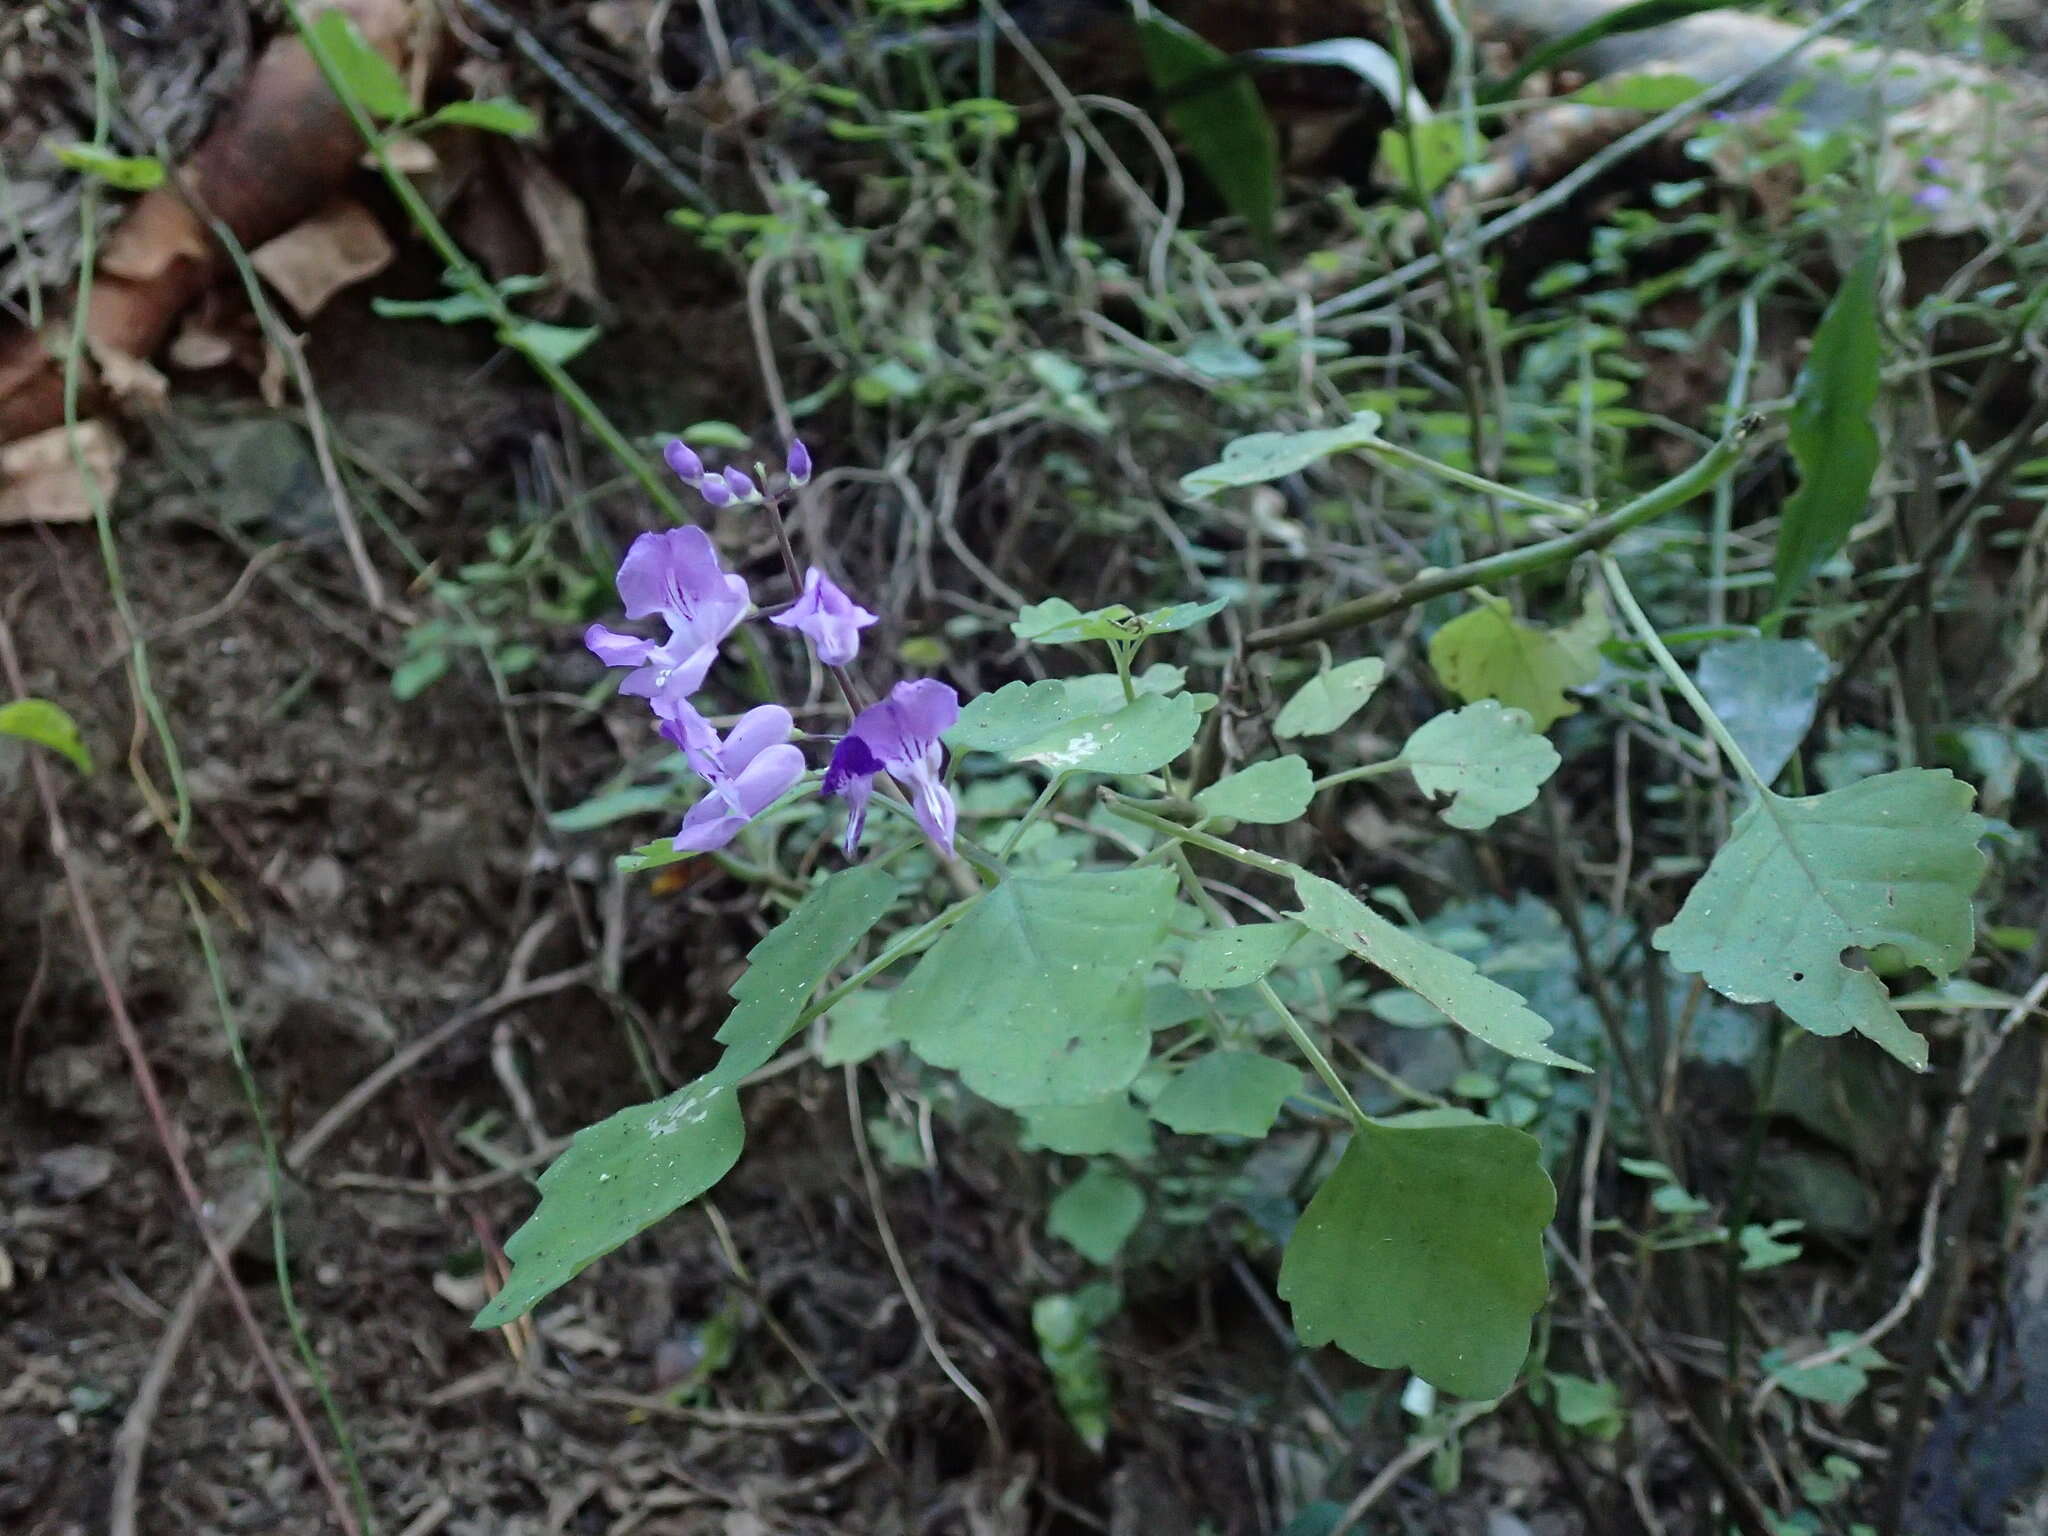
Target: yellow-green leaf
[[1490, 654]]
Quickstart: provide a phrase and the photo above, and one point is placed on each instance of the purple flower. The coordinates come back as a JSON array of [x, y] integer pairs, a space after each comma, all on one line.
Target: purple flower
[[1932, 196], [677, 576], [1934, 165], [798, 462], [828, 618], [899, 737], [737, 482], [715, 491], [687, 466], [748, 772]]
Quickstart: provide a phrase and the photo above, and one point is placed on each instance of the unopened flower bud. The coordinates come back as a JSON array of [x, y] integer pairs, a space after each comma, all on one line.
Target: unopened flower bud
[[798, 463], [741, 487], [715, 491], [687, 466]]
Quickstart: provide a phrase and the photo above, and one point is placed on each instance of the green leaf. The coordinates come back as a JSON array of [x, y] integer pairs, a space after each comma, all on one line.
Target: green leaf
[[618, 805], [1490, 654], [857, 1028], [1477, 1004], [1097, 1213], [618, 1178], [1764, 691], [1268, 793], [546, 343], [1424, 1250], [363, 72], [1018, 714], [129, 173], [1889, 860], [1836, 1384], [1107, 1126], [1033, 996], [1489, 759], [1437, 151], [1829, 431], [47, 725], [1267, 456], [416, 674], [1592, 1407], [1219, 116], [1639, 93], [1065, 1327], [1765, 1248], [495, 115], [622, 1175], [1226, 1093], [1236, 957], [786, 967], [1138, 738], [1328, 699]]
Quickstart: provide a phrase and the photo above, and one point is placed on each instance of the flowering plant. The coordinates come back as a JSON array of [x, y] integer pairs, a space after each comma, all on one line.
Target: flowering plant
[[1090, 977]]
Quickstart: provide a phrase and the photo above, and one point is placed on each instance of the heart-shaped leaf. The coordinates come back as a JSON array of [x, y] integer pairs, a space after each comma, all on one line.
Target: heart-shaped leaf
[[1328, 699], [1097, 1213], [1268, 793], [1267, 456], [1226, 1093]]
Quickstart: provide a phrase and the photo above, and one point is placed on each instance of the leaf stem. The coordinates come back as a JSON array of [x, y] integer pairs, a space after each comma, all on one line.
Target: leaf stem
[[1045, 797], [1305, 1043], [1647, 633], [1712, 466], [1133, 810], [1422, 463], [1362, 771]]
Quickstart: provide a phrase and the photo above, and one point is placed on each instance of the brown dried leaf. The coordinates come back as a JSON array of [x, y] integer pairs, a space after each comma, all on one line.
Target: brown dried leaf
[[559, 223], [339, 246], [39, 481], [129, 381]]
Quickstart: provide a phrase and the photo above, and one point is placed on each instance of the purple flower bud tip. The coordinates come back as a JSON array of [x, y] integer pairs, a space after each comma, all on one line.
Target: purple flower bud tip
[[1934, 165], [1932, 196], [798, 462], [715, 491], [742, 488], [687, 466]]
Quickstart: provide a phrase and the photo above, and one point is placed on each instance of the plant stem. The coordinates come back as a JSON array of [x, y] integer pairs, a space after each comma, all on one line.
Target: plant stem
[[1363, 771], [903, 944], [1716, 462], [1647, 633], [1305, 1043], [1045, 798], [1131, 810], [466, 276]]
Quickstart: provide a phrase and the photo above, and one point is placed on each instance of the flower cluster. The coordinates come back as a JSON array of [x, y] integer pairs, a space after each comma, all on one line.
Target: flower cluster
[[676, 577]]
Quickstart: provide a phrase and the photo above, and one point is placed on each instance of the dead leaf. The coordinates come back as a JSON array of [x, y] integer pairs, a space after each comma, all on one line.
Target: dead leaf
[[65, 1174], [559, 223], [413, 156], [310, 263], [621, 23], [130, 381], [39, 481]]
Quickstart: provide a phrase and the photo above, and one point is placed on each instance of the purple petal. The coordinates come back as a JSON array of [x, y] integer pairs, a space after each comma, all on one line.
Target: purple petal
[[852, 763], [828, 618], [755, 734], [798, 462], [1934, 165], [768, 777], [697, 738], [1932, 197], [905, 728], [931, 802], [615, 649], [741, 487], [687, 466], [713, 490], [674, 573]]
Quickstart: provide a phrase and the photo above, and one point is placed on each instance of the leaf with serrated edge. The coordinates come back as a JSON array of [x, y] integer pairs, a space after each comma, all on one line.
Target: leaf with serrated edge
[[1269, 793], [622, 1175], [1226, 1093], [1488, 758], [1034, 996], [1328, 699], [1236, 957], [1890, 860], [1477, 1004], [1423, 1250]]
